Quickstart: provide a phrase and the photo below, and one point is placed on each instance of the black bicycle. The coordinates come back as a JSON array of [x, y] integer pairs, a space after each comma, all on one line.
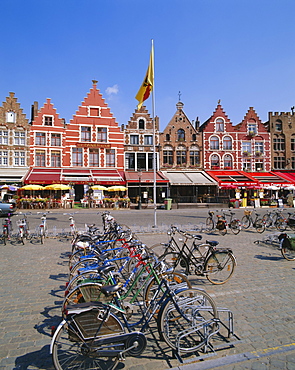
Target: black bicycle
[[257, 222]]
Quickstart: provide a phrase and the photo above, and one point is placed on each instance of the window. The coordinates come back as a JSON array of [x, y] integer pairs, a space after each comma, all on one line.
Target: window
[[148, 139], [48, 120], [40, 158], [215, 161], [278, 143], [10, 117], [55, 158], [102, 134], [214, 143], [293, 143], [227, 161], [85, 133], [219, 125], [134, 139], [259, 148], [252, 127], [55, 140], [278, 125], [130, 161], [227, 143], [94, 157], [168, 157], [279, 162], [259, 165], [180, 157], [246, 164], [194, 137], [19, 158], [19, 138], [3, 157], [246, 147], [167, 137], [77, 159], [181, 135], [141, 161], [141, 123], [293, 163], [40, 138], [110, 157], [194, 157], [94, 111], [151, 161], [4, 137]]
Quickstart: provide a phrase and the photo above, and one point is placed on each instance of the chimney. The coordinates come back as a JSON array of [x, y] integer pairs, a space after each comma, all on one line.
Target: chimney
[[34, 111], [197, 124]]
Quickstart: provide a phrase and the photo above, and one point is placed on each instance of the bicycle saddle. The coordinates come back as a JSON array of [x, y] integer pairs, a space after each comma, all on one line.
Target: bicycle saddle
[[213, 243]]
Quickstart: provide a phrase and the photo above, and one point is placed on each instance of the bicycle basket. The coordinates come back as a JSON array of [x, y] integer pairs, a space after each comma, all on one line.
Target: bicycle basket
[[247, 213], [288, 241]]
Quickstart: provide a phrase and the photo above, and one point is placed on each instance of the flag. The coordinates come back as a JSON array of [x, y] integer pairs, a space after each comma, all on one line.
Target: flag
[[148, 82]]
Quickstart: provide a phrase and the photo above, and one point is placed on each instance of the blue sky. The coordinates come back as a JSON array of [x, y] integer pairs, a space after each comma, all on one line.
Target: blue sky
[[239, 51]]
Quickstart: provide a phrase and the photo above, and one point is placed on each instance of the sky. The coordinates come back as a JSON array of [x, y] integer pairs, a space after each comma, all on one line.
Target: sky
[[240, 52]]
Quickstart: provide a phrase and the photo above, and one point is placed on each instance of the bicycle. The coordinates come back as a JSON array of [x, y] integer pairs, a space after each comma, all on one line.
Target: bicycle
[[220, 224], [234, 224], [204, 259], [7, 228], [42, 229], [287, 247], [93, 336], [275, 219], [23, 228], [258, 223]]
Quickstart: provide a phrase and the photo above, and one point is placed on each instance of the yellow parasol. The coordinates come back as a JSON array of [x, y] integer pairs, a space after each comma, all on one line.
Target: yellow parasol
[[57, 187], [32, 187], [117, 188], [99, 187]]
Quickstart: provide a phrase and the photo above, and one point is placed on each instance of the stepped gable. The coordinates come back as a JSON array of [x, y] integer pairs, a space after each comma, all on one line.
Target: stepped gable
[[48, 110], [251, 115], [12, 105], [218, 113]]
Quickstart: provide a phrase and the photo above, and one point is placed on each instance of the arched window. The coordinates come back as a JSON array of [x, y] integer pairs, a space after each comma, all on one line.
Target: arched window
[[181, 135], [167, 137], [219, 125], [228, 161], [214, 143], [278, 125], [278, 142], [293, 143], [215, 163], [141, 124], [227, 143]]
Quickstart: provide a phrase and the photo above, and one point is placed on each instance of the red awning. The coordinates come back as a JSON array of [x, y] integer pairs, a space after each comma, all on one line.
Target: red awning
[[146, 177], [75, 176], [290, 176], [267, 179], [235, 178]]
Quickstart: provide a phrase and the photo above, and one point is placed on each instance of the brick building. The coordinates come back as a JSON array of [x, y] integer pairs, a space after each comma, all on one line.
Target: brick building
[[14, 141]]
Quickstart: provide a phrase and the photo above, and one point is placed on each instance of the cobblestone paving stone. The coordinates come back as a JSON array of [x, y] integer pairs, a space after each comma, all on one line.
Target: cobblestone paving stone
[[260, 294]]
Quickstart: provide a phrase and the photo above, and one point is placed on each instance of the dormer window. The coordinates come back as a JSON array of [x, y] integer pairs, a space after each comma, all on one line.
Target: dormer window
[[11, 117], [94, 111], [141, 124], [181, 135], [219, 125], [278, 125], [252, 128], [47, 120]]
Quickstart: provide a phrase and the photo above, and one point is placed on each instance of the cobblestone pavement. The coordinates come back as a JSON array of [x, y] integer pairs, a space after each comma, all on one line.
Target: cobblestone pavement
[[260, 294]]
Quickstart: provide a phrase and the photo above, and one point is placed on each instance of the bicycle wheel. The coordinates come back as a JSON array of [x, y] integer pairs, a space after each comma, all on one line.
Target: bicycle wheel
[[219, 267], [5, 235], [88, 292], [267, 220], [281, 224], [287, 250], [41, 234], [21, 235], [235, 226], [245, 222], [70, 351], [259, 225], [209, 224], [187, 328], [175, 262], [76, 257], [174, 279], [91, 276], [85, 263], [159, 249]]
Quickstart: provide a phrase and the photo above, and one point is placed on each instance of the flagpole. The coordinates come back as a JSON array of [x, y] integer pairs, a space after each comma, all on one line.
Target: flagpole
[[154, 151]]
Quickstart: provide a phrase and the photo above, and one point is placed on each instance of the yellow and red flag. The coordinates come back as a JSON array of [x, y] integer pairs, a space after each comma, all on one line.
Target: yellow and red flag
[[148, 82]]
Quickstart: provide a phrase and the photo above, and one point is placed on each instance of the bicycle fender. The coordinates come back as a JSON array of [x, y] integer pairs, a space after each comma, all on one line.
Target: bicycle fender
[[55, 334]]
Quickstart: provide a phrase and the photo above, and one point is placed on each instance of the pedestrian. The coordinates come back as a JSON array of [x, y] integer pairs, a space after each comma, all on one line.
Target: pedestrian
[[290, 199]]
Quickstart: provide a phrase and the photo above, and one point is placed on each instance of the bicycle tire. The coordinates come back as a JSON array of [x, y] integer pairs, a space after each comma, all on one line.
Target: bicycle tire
[[5, 235], [198, 316], [267, 220], [76, 257], [90, 276], [87, 262], [174, 279], [223, 231], [219, 267], [245, 222], [159, 249], [70, 351], [235, 226], [259, 225], [281, 224], [209, 224], [21, 235], [287, 251], [175, 262]]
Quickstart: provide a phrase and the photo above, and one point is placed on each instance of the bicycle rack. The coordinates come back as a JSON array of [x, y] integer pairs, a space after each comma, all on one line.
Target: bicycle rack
[[210, 349]]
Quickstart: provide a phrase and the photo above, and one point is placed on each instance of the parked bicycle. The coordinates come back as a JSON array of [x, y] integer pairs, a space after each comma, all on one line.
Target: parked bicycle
[[276, 219], [7, 228], [42, 229], [23, 228], [233, 223], [257, 222], [219, 224], [203, 259], [287, 246]]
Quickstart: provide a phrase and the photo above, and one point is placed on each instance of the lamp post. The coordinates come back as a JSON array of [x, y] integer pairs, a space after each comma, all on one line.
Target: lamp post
[[139, 198]]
